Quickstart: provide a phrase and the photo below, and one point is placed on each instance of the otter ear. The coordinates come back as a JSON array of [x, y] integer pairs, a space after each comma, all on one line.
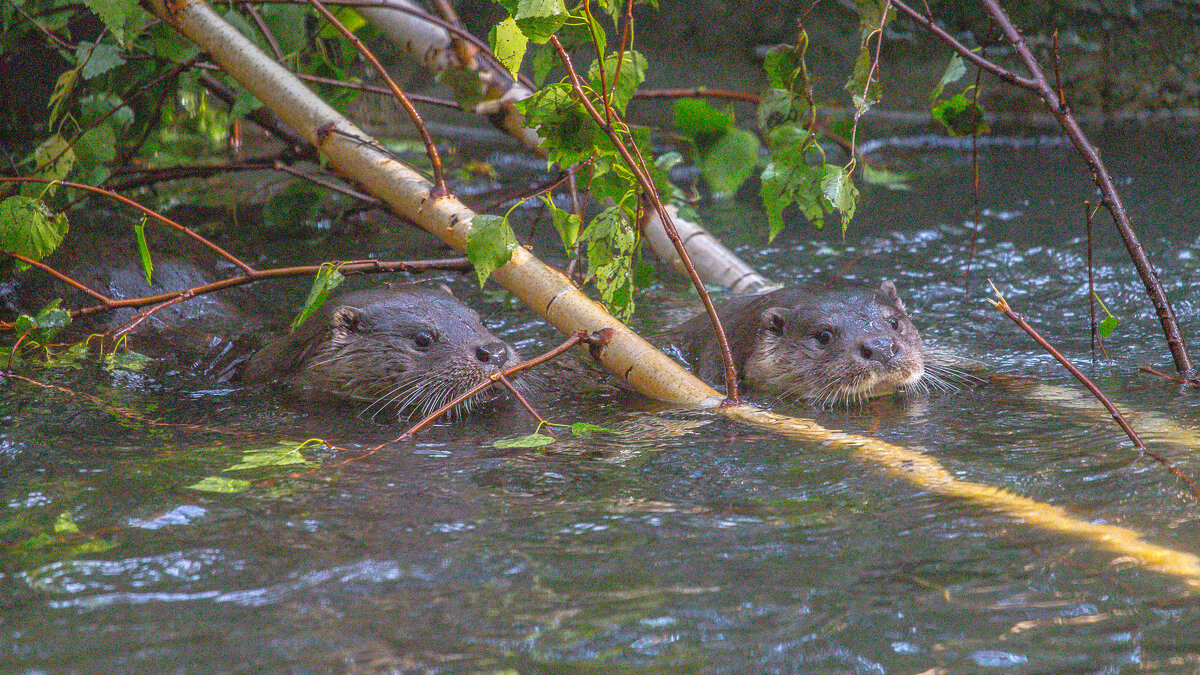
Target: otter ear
[[774, 320], [889, 291], [346, 320]]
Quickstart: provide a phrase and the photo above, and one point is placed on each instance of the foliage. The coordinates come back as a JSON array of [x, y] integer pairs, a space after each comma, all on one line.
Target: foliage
[[326, 279]]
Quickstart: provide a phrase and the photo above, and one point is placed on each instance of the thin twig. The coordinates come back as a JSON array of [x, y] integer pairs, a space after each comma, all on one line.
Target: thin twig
[[149, 212], [435, 160], [60, 276], [1001, 304]]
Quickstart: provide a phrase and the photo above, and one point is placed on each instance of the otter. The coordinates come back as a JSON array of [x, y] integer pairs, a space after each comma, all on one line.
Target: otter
[[408, 349], [824, 346]]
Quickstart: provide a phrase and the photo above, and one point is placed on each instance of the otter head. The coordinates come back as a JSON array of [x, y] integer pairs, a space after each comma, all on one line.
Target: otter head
[[838, 346], [413, 349]]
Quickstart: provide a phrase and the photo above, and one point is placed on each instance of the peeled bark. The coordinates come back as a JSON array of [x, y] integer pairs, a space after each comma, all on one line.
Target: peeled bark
[[546, 290]]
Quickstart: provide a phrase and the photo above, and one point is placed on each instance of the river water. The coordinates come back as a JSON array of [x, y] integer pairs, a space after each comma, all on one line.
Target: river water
[[685, 543]]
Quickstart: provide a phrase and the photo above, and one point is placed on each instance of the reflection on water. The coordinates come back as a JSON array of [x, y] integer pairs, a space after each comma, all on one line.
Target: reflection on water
[[686, 541]]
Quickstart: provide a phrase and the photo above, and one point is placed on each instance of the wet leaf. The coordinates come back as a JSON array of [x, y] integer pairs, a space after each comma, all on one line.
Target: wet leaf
[[28, 228], [282, 454], [221, 485], [509, 44], [65, 524], [326, 279], [584, 428], [490, 244], [534, 440], [126, 360]]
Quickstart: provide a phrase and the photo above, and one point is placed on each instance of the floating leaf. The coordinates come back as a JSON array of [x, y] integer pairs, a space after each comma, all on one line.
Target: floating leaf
[[65, 524], [221, 485], [126, 360], [534, 440], [584, 428], [509, 44], [490, 244], [286, 453], [326, 279], [28, 228]]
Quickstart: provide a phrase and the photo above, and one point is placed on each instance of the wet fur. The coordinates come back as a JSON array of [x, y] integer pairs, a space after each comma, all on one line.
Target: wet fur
[[774, 341], [371, 346]]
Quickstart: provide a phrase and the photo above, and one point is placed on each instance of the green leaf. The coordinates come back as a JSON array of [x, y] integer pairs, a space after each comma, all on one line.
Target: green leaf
[[284, 453], [55, 159], [584, 428], [782, 63], [122, 17], [953, 73], [287, 23], [94, 150], [632, 74], [611, 241], [870, 16], [1107, 326], [490, 244], [960, 116], [97, 59], [326, 279], [539, 19], [50, 321], [892, 180], [838, 189], [243, 103], [730, 161], [126, 360], [63, 86], [509, 44], [863, 87], [221, 485], [775, 107], [65, 524], [544, 58], [698, 119], [784, 185], [566, 223], [96, 106], [144, 251], [569, 135], [28, 228], [534, 440]]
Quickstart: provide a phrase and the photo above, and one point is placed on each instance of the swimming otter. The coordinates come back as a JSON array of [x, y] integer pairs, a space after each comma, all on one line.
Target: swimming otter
[[403, 348], [824, 346]]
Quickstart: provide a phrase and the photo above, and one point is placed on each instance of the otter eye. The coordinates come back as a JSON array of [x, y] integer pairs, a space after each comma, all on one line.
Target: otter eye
[[894, 322], [423, 340], [824, 337]]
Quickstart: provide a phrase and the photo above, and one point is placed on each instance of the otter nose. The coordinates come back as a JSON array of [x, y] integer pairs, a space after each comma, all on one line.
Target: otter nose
[[495, 353], [882, 349]]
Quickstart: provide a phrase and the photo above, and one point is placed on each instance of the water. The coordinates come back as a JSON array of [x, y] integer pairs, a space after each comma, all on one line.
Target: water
[[687, 542]]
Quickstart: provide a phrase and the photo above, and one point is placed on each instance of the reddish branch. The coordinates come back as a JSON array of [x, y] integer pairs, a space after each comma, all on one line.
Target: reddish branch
[[1001, 304], [648, 190], [435, 160], [350, 267], [1111, 199], [159, 217]]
